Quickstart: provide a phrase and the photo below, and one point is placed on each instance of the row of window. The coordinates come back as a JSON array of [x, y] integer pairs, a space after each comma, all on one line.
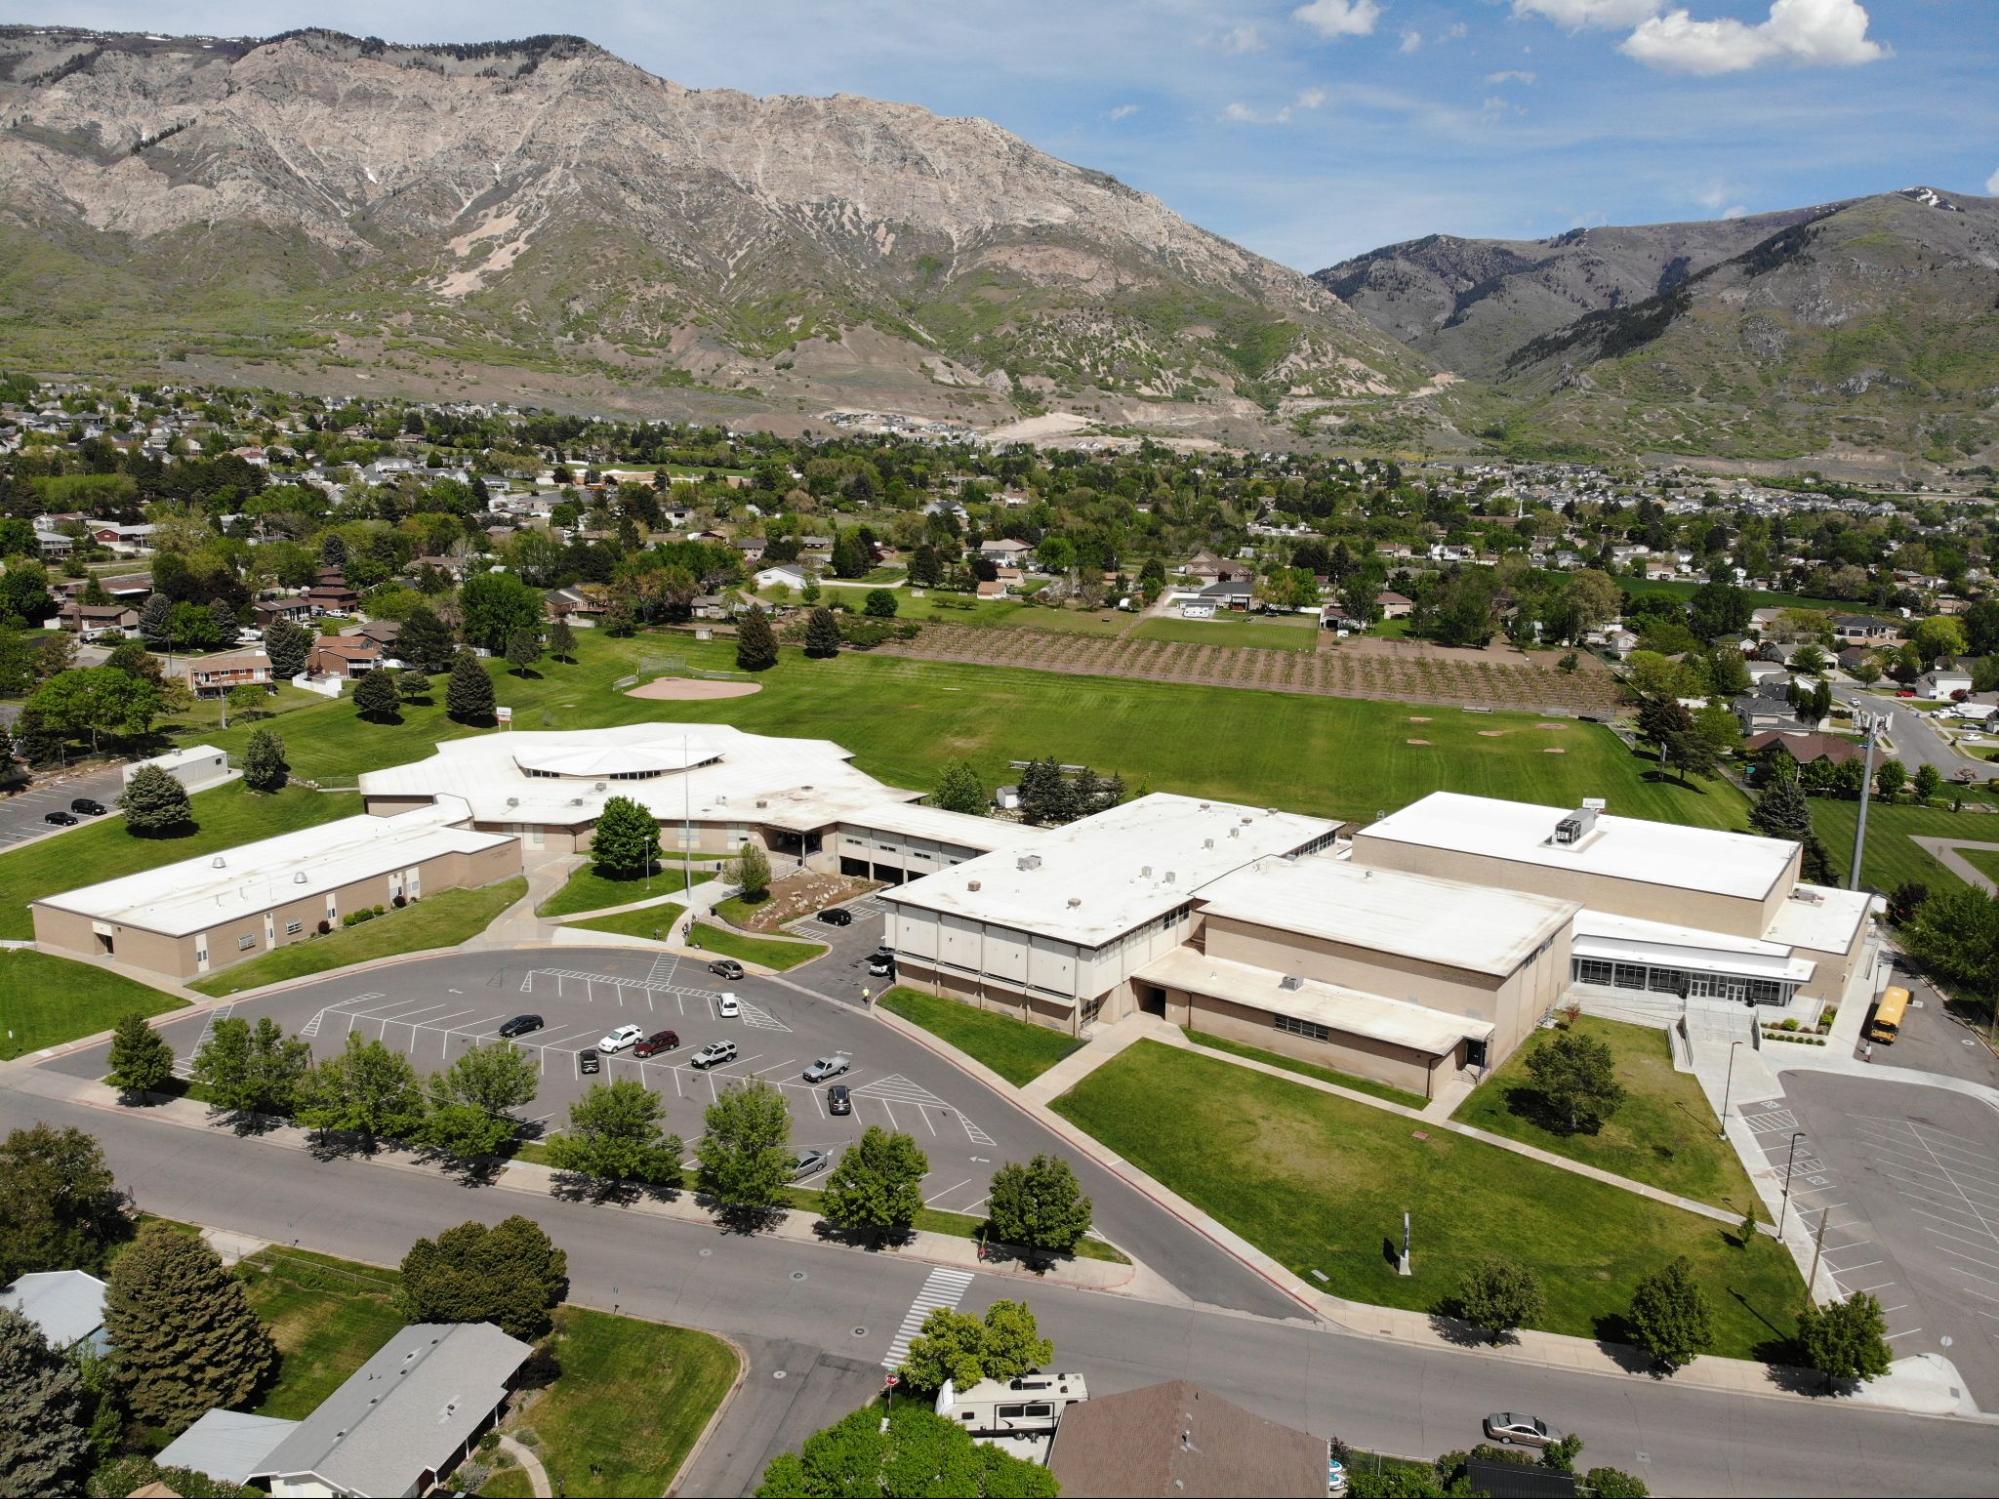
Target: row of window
[[1642, 978], [1292, 1026]]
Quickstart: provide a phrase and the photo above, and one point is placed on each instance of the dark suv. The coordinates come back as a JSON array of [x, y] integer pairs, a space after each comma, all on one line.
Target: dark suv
[[520, 1025], [656, 1043], [88, 806], [835, 916]]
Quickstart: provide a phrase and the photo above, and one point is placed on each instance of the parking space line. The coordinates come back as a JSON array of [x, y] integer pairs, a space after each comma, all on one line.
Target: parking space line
[[948, 1190], [788, 1061], [1905, 1332]]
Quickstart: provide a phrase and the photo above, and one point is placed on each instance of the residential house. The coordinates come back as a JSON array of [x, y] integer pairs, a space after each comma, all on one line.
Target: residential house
[[67, 1305], [332, 594], [750, 548], [1865, 629], [343, 656], [267, 612], [126, 540], [89, 621], [710, 606], [1230, 593], [784, 575], [1942, 682], [384, 632], [583, 604], [1175, 1439], [212, 676], [1805, 748], [1395, 605], [991, 588]]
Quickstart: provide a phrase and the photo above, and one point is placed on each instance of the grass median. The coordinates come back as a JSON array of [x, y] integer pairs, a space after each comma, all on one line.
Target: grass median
[[649, 922], [1321, 1183], [767, 951], [1017, 1050], [446, 919], [587, 890], [953, 1225], [45, 1001]]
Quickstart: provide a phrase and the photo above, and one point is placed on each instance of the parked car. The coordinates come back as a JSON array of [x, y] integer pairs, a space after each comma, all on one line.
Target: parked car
[[60, 818], [881, 966], [808, 1163], [827, 1067], [589, 1064], [1510, 1428], [714, 1054], [838, 1100], [656, 1043], [620, 1039], [520, 1025], [726, 968], [88, 806], [728, 1006], [835, 916]]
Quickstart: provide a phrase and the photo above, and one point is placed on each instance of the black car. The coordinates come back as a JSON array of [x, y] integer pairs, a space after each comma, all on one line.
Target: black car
[[839, 1100], [88, 806], [589, 1062], [881, 966], [60, 819], [520, 1025], [835, 916]]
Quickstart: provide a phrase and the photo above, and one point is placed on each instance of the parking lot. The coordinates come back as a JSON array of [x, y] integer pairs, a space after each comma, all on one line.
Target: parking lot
[[434, 1011], [1905, 1183], [1931, 1039], [23, 815], [843, 972]]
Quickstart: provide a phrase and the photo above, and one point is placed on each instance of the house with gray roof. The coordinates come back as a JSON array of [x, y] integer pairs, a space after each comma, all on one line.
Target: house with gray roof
[[226, 1445], [67, 1305]]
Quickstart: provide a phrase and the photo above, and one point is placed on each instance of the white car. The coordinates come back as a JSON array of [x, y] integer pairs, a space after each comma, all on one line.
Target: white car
[[728, 1007], [621, 1039]]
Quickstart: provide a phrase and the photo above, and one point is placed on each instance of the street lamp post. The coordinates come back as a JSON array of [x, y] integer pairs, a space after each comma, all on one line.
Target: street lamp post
[[1866, 785], [1727, 1088], [1789, 1165]]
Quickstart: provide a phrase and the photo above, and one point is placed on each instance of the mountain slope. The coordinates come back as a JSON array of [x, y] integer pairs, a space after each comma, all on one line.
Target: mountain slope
[[545, 207]]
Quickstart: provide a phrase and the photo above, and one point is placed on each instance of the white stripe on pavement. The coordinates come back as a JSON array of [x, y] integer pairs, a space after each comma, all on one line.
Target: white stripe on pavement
[[941, 1288]]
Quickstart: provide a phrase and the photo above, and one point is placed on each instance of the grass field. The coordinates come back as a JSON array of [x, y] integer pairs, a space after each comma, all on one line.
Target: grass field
[[442, 920], [1892, 856], [955, 1225], [588, 890], [224, 817], [1016, 1050], [1984, 860], [768, 951], [46, 1001], [1301, 634], [1365, 1085], [649, 922], [1322, 1183], [1664, 1135], [328, 1317]]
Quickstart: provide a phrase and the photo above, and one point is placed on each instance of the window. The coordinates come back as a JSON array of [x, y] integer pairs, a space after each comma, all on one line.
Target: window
[[1630, 976], [1041, 1410], [1594, 971], [1011, 1412], [293, 928], [1305, 1028], [245, 942]]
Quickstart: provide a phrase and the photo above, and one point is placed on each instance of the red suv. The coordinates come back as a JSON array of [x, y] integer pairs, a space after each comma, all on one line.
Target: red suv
[[656, 1043]]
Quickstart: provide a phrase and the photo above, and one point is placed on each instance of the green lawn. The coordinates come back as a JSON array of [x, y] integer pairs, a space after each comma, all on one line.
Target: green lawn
[[1322, 1183], [650, 922], [224, 817], [1984, 860], [1892, 856], [955, 1225], [1018, 1051], [1759, 598], [633, 1399], [442, 920], [1664, 1135], [588, 890], [328, 1317], [46, 1001], [1365, 1085], [1301, 634], [768, 951]]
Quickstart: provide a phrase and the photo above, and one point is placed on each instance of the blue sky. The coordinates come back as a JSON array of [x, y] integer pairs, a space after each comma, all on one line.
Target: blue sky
[[1311, 131]]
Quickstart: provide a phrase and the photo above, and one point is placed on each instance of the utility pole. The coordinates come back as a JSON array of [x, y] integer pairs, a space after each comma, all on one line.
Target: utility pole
[[1727, 1088], [1866, 785], [1818, 1248], [1789, 1166]]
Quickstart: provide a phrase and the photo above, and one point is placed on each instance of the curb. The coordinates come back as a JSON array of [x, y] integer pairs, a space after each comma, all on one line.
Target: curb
[[721, 1409]]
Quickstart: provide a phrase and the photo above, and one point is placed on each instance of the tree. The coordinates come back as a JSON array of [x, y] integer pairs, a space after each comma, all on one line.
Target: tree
[[24, 592], [1846, 1340], [625, 845], [494, 607], [1671, 1318], [1576, 1076], [749, 871], [366, 1090], [1497, 1296], [156, 804], [1614, 1483], [850, 555], [878, 1186], [880, 604], [1905, 900], [141, 1059], [615, 1134], [1926, 783], [95, 700], [264, 765], [756, 645], [472, 1100], [44, 1443], [184, 1339], [60, 1208], [1665, 722], [1781, 810], [425, 641], [822, 634], [1046, 795], [523, 650], [412, 686], [376, 698], [913, 1451], [468, 697], [1889, 779], [1955, 934], [248, 1071], [965, 1349], [620, 621], [1038, 1206], [562, 639], [511, 1275], [287, 644], [746, 1153], [959, 789]]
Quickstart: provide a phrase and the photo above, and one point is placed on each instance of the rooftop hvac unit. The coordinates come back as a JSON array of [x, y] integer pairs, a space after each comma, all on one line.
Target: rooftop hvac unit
[[1235, 832], [575, 801], [1145, 872], [299, 877], [972, 885], [1075, 901], [1291, 981], [601, 785], [1028, 861], [762, 803], [1170, 876], [1204, 806], [1576, 826], [513, 801]]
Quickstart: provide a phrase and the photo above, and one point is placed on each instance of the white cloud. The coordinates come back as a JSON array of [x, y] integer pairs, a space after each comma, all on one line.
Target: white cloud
[[1992, 184], [1242, 39], [1244, 114], [1412, 41], [1340, 17], [1312, 98], [1457, 31], [1124, 111], [1511, 75], [1810, 32], [1607, 15]]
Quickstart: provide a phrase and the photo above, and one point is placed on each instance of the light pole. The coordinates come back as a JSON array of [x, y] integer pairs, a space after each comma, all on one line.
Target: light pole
[[1727, 1088], [1866, 784], [1796, 1136], [1818, 1248]]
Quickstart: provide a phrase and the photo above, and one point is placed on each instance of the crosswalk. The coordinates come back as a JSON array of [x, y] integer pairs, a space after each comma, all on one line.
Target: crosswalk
[[941, 1288]]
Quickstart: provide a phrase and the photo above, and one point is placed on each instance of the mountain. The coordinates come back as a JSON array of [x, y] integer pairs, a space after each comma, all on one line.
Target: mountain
[[1852, 331], [541, 216]]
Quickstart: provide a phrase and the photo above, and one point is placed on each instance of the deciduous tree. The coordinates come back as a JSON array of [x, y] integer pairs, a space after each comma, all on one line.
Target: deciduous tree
[[249, 1070], [745, 1154], [141, 1060], [965, 1349], [1499, 1296], [425, 641], [1671, 1318], [877, 1188], [1038, 1205], [959, 789], [1847, 1340], [625, 845], [365, 1090], [511, 1275], [616, 1134], [1576, 1076], [60, 1207], [749, 871]]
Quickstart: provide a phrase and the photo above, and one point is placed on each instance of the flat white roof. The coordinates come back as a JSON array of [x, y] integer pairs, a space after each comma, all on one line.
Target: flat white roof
[[193, 895], [708, 773], [1666, 945], [960, 829], [1099, 877], [1820, 918], [1475, 927], [1626, 848], [187, 755], [1395, 1021]]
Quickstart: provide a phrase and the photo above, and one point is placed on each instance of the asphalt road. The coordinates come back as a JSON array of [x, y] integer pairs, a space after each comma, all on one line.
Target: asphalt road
[[1916, 743], [826, 1316]]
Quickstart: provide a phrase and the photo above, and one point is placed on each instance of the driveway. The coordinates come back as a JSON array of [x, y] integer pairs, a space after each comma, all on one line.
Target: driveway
[[21, 814], [843, 972], [1931, 1039]]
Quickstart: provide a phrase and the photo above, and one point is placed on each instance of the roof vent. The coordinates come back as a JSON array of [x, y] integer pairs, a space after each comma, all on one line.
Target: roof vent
[[1291, 981], [1169, 876], [1207, 843], [1145, 872], [601, 785], [1235, 832], [1075, 901], [513, 801], [762, 803], [216, 862], [972, 885], [298, 877]]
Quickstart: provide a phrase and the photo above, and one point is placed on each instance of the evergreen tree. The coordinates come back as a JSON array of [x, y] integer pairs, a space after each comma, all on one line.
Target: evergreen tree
[[1782, 811], [620, 621], [1846, 1340], [561, 640], [332, 550], [822, 634], [468, 698], [745, 1153], [376, 698], [625, 845], [141, 1059], [44, 1444], [1498, 1295], [367, 1090], [756, 644], [850, 555], [425, 641], [511, 1275], [616, 1134], [523, 649], [184, 1338], [36, 740], [959, 789], [926, 568], [287, 644], [1038, 1206], [878, 1186], [880, 604], [155, 803], [1576, 1077], [60, 1208], [264, 765], [156, 619], [1671, 1318], [412, 686]]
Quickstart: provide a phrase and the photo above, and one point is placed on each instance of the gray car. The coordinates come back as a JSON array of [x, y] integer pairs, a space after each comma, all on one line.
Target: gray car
[[1510, 1428], [808, 1163], [827, 1067]]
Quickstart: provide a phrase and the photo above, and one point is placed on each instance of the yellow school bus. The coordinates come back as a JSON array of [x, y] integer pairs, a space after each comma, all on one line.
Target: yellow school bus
[[1888, 1014]]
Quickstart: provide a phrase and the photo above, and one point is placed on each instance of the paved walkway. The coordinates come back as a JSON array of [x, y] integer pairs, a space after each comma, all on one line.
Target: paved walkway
[[521, 1453], [1946, 852]]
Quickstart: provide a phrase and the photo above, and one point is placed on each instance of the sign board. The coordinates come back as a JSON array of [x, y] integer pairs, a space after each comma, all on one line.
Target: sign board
[[504, 714]]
